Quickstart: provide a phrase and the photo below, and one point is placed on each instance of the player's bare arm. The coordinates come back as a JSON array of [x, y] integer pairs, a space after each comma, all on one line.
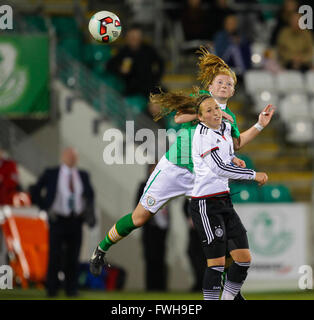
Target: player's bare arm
[[263, 120]]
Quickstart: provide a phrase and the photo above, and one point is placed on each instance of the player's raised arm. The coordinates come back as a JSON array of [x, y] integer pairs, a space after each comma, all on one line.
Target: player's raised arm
[[263, 121]]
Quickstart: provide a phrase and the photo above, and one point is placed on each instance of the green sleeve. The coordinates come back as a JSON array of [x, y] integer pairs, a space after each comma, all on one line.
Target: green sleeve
[[234, 127]]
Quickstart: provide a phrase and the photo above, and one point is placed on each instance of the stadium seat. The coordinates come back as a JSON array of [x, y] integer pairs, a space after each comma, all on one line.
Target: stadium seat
[[311, 108], [113, 81], [65, 26], [244, 192], [309, 81], [72, 45], [290, 81], [95, 54], [257, 52], [37, 22], [275, 193], [137, 103], [300, 130], [294, 105], [262, 99], [256, 81]]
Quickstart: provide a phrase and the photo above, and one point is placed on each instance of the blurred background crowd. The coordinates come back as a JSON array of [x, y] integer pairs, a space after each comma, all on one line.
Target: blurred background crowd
[[88, 87]]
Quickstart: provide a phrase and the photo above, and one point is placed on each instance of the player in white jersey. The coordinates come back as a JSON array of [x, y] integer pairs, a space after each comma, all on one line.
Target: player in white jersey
[[213, 215], [173, 178]]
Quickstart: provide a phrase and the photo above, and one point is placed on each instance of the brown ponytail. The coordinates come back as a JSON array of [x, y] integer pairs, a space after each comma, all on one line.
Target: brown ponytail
[[179, 102]]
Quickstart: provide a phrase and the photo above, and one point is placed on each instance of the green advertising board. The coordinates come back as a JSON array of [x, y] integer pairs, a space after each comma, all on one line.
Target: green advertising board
[[24, 75]]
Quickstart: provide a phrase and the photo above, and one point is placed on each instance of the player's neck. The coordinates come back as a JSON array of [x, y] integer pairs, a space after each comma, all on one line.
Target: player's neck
[[221, 100], [213, 127]]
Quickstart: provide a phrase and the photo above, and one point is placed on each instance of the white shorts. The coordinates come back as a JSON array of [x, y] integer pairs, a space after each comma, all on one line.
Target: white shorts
[[166, 182]]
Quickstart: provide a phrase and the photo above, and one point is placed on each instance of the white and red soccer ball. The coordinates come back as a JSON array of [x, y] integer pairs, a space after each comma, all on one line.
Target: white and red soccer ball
[[104, 26]]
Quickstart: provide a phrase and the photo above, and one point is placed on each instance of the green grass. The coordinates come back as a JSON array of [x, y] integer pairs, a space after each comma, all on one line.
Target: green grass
[[36, 294]]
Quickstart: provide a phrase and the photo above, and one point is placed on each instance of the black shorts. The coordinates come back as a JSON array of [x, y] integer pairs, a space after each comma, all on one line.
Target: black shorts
[[218, 225]]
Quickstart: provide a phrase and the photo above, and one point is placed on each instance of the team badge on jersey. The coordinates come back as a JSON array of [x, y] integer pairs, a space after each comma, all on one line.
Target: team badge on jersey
[[150, 201], [219, 232]]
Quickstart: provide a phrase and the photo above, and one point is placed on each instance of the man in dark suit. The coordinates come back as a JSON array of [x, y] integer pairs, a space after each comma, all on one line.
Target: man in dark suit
[[66, 194]]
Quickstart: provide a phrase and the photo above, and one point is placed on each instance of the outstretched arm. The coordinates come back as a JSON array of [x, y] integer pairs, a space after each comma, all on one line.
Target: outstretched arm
[[184, 117], [248, 135]]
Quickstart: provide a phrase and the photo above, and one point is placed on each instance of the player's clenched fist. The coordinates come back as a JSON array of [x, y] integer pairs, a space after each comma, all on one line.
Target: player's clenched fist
[[261, 178]]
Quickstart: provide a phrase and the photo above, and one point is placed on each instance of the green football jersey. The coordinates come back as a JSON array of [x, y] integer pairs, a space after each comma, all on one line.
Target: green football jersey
[[180, 152]]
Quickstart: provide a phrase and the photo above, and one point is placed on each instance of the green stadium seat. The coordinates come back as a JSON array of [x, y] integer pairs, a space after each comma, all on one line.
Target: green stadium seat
[[72, 45], [138, 103], [275, 193], [97, 54], [37, 22], [244, 192], [112, 81], [65, 26]]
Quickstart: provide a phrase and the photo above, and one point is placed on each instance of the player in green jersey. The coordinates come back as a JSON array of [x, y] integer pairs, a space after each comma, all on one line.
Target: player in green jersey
[[218, 78]]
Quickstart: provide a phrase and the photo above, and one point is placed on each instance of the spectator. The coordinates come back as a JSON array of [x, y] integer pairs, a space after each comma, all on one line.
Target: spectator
[[295, 46], [232, 47], [8, 179], [154, 238], [218, 12], [283, 17], [138, 64], [270, 62], [194, 20], [69, 200]]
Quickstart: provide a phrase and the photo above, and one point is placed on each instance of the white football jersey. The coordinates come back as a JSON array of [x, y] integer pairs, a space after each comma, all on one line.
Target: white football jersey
[[212, 153]]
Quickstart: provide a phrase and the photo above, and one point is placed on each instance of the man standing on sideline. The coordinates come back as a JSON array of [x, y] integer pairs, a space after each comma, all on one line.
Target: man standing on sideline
[[137, 63], [69, 201]]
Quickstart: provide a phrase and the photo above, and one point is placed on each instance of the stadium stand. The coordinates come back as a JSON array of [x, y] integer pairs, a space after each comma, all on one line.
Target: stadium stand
[[275, 193], [290, 81], [244, 193]]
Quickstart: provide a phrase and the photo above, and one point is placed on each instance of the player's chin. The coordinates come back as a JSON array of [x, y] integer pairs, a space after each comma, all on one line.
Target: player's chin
[[225, 94]]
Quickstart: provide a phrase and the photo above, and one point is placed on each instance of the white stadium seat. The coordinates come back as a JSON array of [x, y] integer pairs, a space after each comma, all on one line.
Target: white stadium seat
[[300, 130], [256, 81], [309, 81], [294, 105], [311, 111], [290, 81], [262, 99]]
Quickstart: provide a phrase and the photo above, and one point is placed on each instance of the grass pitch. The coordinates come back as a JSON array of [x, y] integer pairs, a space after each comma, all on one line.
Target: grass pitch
[[40, 294]]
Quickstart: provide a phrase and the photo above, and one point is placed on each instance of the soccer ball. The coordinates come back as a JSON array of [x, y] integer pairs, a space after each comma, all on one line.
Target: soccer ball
[[104, 26]]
